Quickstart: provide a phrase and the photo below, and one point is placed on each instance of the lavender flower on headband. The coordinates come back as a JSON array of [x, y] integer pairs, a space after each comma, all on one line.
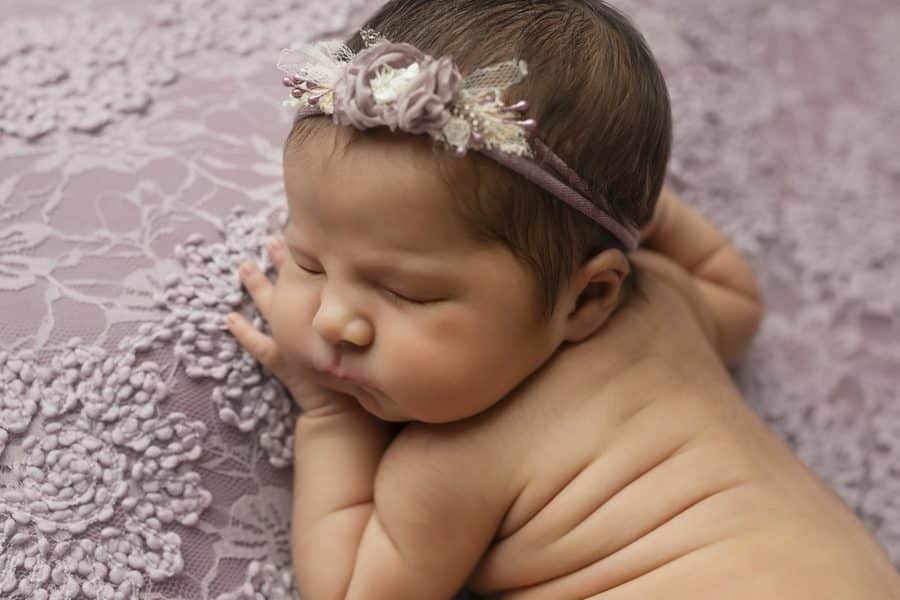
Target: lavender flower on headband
[[398, 86], [424, 107]]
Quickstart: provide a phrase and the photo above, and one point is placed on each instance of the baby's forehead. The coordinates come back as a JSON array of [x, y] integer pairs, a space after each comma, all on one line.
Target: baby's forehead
[[377, 154], [375, 180]]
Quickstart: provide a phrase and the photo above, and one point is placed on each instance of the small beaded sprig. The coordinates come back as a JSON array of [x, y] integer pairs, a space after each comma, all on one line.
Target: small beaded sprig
[[479, 118]]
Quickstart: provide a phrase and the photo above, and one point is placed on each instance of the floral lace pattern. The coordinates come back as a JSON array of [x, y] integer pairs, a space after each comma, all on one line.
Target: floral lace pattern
[[144, 455], [79, 511], [45, 63]]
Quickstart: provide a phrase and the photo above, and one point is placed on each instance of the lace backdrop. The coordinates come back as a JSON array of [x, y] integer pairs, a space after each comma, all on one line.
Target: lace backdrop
[[141, 452]]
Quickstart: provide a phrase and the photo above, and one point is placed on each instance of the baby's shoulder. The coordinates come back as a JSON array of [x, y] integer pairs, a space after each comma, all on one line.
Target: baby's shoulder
[[668, 292]]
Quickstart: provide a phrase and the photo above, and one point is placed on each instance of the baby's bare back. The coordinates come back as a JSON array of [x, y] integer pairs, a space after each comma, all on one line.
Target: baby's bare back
[[662, 484]]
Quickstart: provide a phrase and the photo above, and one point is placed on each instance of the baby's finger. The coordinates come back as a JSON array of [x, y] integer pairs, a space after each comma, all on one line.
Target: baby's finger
[[277, 252], [258, 285], [259, 345]]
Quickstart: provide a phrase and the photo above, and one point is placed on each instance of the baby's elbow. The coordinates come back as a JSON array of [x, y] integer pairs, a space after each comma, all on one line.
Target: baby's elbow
[[744, 327], [756, 308], [755, 314], [749, 312]]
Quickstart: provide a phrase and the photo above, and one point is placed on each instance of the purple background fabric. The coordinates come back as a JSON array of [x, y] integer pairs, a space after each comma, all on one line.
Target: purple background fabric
[[129, 135]]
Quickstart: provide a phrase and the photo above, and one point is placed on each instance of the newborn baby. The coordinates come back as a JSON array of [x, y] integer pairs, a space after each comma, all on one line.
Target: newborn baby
[[499, 390]]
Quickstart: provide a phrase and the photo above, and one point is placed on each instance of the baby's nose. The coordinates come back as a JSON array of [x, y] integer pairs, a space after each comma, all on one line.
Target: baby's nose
[[336, 323], [357, 332]]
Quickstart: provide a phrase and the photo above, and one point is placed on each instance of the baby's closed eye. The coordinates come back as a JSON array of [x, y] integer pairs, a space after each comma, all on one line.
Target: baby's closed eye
[[309, 270], [395, 293]]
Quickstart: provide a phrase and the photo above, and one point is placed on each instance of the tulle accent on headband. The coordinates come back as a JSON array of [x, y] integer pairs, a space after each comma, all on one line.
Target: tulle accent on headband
[[395, 85]]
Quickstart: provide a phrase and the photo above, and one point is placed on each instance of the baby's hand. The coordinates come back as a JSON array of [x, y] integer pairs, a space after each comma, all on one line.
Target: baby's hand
[[263, 348]]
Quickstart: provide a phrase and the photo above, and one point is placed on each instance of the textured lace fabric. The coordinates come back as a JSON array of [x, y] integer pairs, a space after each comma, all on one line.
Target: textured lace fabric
[[143, 454]]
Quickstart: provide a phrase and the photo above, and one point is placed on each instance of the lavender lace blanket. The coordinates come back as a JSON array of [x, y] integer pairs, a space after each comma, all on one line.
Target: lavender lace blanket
[[142, 455]]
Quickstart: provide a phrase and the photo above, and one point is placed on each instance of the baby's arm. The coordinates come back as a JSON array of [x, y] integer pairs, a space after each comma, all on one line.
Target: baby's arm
[[439, 500], [336, 455], [408, 522], [723, 278], [417, 532]]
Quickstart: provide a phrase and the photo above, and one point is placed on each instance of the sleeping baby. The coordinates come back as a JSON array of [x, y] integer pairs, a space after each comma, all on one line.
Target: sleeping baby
[[509, 343]]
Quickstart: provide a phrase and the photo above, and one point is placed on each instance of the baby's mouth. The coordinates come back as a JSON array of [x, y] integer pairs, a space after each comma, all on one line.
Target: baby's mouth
[[337, 379], [331, 372], [332, 367], [326, 365]]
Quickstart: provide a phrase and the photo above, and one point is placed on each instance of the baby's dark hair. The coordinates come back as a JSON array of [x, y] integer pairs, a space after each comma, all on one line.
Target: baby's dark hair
[[601, 104]]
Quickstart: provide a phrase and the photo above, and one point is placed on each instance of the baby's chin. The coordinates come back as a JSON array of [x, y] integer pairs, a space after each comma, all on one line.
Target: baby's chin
[[374, 403], [380, 406]]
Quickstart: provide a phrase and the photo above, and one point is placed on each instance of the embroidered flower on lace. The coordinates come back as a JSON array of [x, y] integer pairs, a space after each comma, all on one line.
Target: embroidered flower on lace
[[86, 508], [197, 300], [20, 394], [81, 72], [90, 501], [43, 86], [268, 581], [261, 535]]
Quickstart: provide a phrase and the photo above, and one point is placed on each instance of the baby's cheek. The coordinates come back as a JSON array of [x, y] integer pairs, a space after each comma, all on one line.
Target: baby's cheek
[[421, 365]]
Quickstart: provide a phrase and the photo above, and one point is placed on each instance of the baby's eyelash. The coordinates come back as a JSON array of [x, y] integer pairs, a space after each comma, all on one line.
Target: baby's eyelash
[[404, 298], [388, 291], [310, 271]]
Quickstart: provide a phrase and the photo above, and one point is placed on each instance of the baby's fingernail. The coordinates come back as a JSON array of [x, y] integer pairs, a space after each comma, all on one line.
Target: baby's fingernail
[[276, 244], [246, 268], [231, 319]]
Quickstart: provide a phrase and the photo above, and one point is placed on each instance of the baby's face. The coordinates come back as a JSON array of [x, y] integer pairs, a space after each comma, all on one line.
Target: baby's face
[[386, 297]]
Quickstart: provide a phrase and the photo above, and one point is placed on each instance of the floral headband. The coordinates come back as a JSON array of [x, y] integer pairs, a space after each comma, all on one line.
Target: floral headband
[[398, 86]]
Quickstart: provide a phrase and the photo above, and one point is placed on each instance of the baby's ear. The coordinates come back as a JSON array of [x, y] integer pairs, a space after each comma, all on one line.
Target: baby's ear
[[593, 293]]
